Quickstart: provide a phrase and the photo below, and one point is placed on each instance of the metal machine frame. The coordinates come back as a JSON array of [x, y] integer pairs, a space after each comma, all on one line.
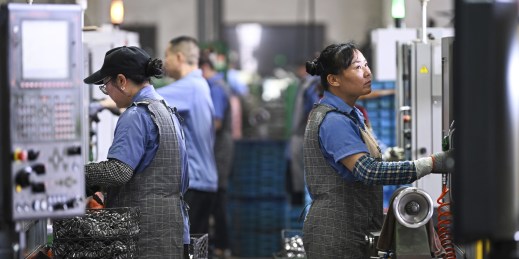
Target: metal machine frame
[[44, 135], [419, 105]]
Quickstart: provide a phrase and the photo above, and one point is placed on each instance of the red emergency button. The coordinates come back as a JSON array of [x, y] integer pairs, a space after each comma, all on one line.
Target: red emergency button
[[20, 155]]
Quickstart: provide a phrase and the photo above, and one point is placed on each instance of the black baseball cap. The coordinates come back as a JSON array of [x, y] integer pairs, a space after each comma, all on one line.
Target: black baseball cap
[[121, 60]]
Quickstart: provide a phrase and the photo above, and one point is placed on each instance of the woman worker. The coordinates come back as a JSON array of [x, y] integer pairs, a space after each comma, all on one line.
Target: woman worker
[[147, 161], [343, 168]]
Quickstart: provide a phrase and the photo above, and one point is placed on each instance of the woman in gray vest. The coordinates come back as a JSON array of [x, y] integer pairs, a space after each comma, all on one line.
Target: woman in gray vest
[[147, 161], [343, 168]]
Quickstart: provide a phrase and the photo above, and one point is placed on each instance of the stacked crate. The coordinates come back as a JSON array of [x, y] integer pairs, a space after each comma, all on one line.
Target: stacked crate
[[257, 204]]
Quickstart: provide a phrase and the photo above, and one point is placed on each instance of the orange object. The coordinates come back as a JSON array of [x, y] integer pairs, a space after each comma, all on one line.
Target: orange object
[[444, 223], [96, 201], [20, 155]]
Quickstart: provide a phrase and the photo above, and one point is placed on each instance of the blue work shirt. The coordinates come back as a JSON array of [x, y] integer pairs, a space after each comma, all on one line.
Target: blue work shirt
[[192, 98], [219, 96], [136, 141], [237, 86], [340, 136]]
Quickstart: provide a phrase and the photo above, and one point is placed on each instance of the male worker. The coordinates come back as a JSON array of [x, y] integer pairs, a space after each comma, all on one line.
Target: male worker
[[191, 96]]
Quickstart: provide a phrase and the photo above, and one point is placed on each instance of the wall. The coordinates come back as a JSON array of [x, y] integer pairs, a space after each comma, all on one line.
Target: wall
[[344, 19], [172, 17], [441, 11]]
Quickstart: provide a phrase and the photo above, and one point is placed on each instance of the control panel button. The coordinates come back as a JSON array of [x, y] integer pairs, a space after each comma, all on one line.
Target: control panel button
[[20, 155], [38, 187], [33, 154], [74, 150], [36, 205], [23, 178], [39, 169]]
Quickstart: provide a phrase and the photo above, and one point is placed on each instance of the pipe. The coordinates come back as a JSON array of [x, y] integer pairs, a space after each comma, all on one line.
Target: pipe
[[424, 20]]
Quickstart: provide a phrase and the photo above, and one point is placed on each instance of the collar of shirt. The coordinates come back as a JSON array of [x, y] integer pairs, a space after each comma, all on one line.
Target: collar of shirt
[[336, 102], [147, 92], [194, 73]]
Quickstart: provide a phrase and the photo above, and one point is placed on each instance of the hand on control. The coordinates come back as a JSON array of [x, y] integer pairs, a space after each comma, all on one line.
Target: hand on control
[[443, 162], [99, 105]]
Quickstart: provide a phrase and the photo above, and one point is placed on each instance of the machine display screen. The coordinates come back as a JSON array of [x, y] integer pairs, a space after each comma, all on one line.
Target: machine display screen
[[45, 50]]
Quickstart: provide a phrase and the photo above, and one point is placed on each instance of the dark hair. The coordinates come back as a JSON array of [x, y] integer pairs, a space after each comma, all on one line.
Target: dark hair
[[133, 62], [153, 69], [187, 46], [332, 60], [180, 39], [206, 60]]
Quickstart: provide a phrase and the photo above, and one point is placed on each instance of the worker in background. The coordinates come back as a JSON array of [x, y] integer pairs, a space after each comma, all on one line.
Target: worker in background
[[239, 89], [306, 96], [233, 75], [190, 94], [343, 169], [147, 161], [223, 151]]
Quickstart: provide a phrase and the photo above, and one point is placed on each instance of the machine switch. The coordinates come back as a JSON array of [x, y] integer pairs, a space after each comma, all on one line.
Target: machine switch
[[407, 133], [39, 169], [38, 187], [23, 178], [76, 150], [33, 154]]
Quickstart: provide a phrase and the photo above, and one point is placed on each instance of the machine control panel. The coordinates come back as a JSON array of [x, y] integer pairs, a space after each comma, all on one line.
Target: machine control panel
[[41, 89]]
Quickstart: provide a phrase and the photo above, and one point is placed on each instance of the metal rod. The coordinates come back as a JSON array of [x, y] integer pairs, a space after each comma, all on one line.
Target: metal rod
[[424, 20]]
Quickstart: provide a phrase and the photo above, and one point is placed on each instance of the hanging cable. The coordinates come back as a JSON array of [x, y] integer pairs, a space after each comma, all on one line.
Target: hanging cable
[[444, 208], [445, 221]]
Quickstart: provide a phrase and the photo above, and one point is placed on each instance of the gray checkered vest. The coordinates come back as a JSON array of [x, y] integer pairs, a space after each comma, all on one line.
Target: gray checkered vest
[[156, 192], [342, 212]]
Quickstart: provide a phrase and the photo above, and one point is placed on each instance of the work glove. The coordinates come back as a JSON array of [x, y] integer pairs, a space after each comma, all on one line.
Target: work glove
[[443, 162], [440, 163]]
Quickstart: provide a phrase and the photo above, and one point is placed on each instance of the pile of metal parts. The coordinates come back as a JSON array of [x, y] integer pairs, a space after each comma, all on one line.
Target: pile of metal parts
[[293, 247], [101, 233]]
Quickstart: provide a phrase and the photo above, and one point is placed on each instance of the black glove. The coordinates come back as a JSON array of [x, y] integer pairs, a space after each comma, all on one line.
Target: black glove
[[93, 109]]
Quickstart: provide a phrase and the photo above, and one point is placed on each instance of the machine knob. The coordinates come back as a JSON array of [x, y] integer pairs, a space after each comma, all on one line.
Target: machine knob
[[39, 168], [412, 208], [33, 154], [422, 151], [407, 133], [38, 187], [71, 203], [23, 178], [59, 206]]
